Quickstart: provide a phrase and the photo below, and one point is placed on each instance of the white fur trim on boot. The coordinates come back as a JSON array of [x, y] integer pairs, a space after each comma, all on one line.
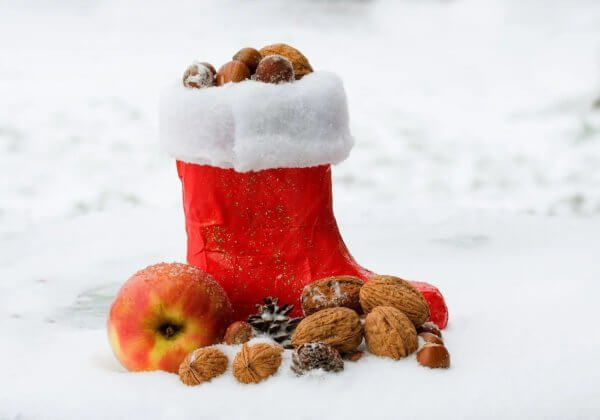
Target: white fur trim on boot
[[253, 125]]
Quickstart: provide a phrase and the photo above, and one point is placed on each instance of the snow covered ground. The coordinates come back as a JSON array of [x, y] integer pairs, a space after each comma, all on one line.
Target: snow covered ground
[[476, 168], [522, 292]]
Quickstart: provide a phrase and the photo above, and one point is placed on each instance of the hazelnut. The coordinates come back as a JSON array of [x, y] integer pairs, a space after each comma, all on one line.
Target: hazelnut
[[429, 327], [198, 75], [431, 338], [210, 67], [300, 63], [234, 71], [353, 356], [238, 333], [434, 356], [274, 69], [249, 56]]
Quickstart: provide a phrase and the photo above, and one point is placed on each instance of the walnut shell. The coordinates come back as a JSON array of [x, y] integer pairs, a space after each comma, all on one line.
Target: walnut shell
[[389, 333], [256, 363], [331, 292], [202, 365], [338, 327], [393, 291], [300, 63]]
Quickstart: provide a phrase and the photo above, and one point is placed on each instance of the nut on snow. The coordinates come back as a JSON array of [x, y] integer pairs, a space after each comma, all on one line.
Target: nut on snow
[[234, 71], [256, 363], [202, 365], [393, 291], [250, 57], [431, 338], [389, 333], [210, 67], [429, 327], [198, 75], [338, 327], [331, 292], [299, 62], [238, 333], [434, 356], [274, 69]]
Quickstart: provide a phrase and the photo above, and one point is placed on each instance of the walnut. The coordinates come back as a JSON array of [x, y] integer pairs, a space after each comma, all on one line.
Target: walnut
[[257, 362], [388, 332], [331, 292], [338, 327], [202, 365], [395, 292]]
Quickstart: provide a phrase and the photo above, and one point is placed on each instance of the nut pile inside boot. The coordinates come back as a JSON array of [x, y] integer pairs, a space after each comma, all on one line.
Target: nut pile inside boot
[[277, 63]]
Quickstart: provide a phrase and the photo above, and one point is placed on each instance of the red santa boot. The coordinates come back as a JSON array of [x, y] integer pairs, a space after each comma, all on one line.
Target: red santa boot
[[254, 161], [263, 233]]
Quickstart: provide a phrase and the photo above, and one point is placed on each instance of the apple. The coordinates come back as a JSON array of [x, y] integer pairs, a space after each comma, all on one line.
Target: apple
[[163, 312]]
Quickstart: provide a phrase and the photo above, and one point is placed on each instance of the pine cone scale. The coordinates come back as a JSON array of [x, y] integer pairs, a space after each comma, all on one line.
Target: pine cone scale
[[274, 321]]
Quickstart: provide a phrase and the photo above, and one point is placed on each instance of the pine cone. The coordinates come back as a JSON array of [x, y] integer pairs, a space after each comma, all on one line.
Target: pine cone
[[274, 321], [316, 356]]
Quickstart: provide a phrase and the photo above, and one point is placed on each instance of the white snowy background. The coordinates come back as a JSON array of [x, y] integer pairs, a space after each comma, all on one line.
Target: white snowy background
[[476, 168]]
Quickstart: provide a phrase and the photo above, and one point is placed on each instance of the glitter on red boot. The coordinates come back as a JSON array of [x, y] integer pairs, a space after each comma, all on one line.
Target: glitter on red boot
[[263, 233]]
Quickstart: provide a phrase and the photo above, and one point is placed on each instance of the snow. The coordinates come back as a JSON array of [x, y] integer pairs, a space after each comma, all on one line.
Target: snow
[[452, 103], [522, 292], [254, 125], [475, 168]]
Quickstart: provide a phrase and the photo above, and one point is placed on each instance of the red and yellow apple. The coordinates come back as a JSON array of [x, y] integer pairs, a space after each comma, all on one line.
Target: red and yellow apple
[[163, 312]]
